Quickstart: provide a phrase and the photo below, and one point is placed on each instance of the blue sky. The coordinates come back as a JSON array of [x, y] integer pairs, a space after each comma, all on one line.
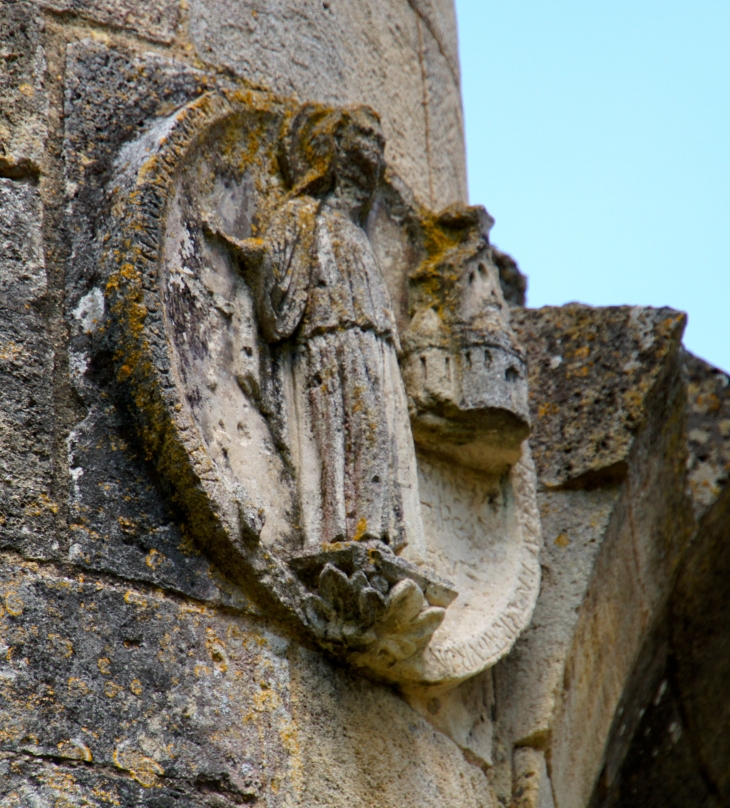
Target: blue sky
[[598, 136]]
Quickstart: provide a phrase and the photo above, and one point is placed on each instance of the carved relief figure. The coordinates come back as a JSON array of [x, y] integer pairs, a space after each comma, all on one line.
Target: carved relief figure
[[255, 335], [324, 309]]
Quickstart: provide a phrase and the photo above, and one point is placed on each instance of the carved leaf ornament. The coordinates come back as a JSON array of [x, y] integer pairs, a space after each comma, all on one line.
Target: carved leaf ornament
[[284, 319]]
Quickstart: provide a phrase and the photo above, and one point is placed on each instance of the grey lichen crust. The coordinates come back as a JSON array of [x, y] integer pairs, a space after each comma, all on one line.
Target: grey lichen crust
[[256, 347]]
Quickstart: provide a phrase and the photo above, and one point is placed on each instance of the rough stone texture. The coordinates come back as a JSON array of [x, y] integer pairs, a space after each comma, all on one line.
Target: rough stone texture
[[23, 101], [133, 673], [615, 519], [590, 374], [27, 504], [699, 628], [708, 432], [531, 782], [339, 52], [164, 691], [154, 19], [119, 523], [667, 746], [199, 706], [529, 681], [111, 95], [362, 746]]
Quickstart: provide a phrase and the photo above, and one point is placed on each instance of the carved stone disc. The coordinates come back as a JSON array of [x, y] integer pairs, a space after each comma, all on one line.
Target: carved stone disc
[[190, 366]]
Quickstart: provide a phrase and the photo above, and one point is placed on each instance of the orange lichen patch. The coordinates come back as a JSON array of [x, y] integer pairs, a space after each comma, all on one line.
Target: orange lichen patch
[[104, 664], [61, 645], [128, 526], [14, 604], [135, 599], [217, 650], [112, 689], [78, 687], [362, 526], [154, 559], [708, 403], [143, 769], [11, 352], [136, 687], [43, 503], [562, 540], [60, 781], [547, 408], [266, 700], [75, 750]]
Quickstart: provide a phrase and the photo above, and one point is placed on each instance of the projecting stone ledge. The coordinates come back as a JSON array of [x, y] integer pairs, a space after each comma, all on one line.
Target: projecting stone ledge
[[592, 372], [608, 407]]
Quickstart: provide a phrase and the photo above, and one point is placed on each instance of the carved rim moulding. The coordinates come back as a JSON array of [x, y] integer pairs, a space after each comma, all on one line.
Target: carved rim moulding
[[196, 203]]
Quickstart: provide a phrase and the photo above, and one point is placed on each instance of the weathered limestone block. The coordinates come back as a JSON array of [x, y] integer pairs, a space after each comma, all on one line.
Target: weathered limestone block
[[120, 524], [161, 698], [156, 19], [23, 101], [444, 119], [530, 681], [362, 745], [607, 401], [666, 745], [28, 781], [591, 371], [27, 504], [708, 432], [110, 96], [698, 628], [340, 52], [162, 690]]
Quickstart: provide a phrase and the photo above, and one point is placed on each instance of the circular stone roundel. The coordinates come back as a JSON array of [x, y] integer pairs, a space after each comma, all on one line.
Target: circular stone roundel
[[218, 237]]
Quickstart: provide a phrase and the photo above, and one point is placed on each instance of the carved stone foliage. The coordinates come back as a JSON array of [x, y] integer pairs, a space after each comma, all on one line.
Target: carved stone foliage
[[285, 319]]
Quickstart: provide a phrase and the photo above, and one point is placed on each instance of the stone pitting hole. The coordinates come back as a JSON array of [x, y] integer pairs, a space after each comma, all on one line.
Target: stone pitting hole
[[512, 374]]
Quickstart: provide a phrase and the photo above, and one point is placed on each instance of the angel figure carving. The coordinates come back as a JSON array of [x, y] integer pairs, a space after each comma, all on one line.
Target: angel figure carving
[[325, 312]]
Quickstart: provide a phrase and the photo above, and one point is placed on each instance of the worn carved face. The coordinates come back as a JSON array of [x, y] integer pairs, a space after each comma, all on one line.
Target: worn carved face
[[360, 151]]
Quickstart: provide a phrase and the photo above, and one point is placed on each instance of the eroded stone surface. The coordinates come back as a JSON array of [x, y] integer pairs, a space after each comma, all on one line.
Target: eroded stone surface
[[23, 101], [160, 690], [530, 680], [700, 642], [344, 53], [358, 741], [531, 782], [590, 373], [156, 20], [111, 95], [27, 504], [708, 432], [615, 527], [120, 523], [162, 699]]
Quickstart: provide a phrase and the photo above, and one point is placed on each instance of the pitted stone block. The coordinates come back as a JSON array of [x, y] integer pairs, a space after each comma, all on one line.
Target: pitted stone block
[[27, 505], [23, 100]]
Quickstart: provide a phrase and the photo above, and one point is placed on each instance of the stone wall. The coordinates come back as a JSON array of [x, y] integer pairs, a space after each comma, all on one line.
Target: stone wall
[[132, 670]]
